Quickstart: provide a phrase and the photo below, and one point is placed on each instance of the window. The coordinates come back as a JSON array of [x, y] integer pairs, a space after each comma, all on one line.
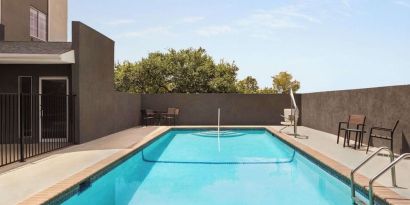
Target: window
[[38, 24], [33, 22]]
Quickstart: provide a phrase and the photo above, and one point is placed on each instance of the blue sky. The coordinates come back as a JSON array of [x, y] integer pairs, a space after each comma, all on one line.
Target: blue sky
[[325, 44]]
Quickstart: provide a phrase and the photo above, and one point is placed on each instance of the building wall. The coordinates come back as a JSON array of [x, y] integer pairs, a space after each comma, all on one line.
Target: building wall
[[57, 20], [236, 109], [382, 106], [9, 75], [16, 17], [100, 110]]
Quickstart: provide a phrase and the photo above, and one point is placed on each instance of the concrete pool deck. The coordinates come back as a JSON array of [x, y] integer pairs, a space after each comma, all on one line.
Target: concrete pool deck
[[36, 175], [325, 144], [62, 167], [322, 146]]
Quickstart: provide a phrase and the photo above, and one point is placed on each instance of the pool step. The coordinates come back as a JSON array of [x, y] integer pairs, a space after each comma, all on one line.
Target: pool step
[[359, 201]]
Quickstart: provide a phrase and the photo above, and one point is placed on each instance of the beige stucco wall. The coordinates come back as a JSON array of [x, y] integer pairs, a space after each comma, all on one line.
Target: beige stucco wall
[[16, 17], [57, 16]]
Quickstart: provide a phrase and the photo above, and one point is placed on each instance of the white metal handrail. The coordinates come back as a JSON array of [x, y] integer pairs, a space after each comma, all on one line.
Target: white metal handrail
[[392, 165], [353, 191], [294, 113]]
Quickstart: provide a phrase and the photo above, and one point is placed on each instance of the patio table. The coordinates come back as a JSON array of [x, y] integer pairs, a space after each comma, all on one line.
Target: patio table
[[158, 115]]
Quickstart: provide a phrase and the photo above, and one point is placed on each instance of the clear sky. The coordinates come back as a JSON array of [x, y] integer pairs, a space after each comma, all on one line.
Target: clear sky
[[325, 44]]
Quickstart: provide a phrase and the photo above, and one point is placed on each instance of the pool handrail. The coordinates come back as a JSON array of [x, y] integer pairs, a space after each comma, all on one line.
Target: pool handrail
[[352, 186], [391, 166]]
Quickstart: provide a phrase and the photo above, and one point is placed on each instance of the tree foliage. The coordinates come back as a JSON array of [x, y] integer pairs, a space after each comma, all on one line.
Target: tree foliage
[[283, 82], [267, 90], [249, 85], [191, 71], [184, 71]]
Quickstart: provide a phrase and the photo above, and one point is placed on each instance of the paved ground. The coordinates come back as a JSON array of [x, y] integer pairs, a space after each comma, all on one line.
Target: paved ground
[[325, 143], [20, 181], [38, 174]]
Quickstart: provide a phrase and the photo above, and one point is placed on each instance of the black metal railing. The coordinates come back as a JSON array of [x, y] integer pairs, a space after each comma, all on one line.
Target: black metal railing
[[33, 124]]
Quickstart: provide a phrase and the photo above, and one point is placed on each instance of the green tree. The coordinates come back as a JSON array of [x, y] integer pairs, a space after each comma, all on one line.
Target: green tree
[[283, 82], [190, 70], [147, 76], [124, 77], [184, 71], [249, 85], [267, 90], [224, 78]]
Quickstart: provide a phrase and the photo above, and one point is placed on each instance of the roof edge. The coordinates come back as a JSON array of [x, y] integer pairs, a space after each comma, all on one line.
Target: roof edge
[[17, 58]]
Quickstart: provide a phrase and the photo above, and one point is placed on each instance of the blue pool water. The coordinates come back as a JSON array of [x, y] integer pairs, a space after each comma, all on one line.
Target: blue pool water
[[185, 167]]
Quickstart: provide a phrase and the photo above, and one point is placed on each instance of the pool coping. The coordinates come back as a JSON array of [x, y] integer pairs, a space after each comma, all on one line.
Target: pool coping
[[60, 190]]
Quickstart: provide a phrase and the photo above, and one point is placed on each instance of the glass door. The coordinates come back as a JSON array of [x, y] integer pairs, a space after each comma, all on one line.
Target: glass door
[[53, 114]]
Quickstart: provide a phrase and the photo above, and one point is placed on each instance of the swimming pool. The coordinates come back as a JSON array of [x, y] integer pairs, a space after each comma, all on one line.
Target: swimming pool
[[187, 167]]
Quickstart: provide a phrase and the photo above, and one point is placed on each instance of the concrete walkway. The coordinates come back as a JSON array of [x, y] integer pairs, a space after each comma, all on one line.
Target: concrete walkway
[[24, 181], [325, 143]]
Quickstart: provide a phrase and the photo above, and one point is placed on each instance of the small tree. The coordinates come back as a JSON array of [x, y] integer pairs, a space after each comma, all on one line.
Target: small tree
[[249, 85], [283, 82]]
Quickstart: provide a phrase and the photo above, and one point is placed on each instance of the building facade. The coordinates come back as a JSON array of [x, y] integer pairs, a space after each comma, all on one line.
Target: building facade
[[33, 20], [54, 93]]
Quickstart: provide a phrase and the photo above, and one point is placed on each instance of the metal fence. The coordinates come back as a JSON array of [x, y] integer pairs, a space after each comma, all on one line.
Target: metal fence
[[33, 124]]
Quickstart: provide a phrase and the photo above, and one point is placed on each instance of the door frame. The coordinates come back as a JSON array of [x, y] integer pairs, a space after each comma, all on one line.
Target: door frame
[[40, 91]]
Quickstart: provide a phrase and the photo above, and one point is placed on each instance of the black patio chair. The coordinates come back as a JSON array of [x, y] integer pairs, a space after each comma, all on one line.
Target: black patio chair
[[148, 116], [388, 134], [355, 124]]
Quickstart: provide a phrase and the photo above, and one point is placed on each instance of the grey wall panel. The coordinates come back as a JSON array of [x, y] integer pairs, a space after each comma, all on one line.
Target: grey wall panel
[[382, 106], [100, 110], [237, 109]]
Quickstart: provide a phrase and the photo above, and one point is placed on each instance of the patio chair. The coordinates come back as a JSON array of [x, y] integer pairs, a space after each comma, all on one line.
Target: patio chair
[[171, 115], [388, 134], [288, 119], [148, 115], [355, 124]]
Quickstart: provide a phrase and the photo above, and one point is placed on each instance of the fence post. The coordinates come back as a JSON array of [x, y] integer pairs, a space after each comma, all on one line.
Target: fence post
[[73, 121], [20, 133]]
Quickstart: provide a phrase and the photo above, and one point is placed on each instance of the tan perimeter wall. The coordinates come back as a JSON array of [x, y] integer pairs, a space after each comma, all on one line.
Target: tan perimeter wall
[[57, 20], [236, 109], [382, 106]]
